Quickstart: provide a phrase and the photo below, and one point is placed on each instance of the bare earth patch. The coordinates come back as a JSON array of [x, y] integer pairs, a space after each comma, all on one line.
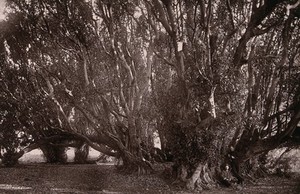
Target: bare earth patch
[[44, 178]]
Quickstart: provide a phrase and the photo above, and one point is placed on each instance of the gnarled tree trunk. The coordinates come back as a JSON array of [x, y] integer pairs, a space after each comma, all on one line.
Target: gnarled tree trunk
[[81, 154], [54, 154]]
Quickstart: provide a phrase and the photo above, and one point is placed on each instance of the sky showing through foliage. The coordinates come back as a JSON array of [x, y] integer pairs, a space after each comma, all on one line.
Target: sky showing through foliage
[[2, 6]]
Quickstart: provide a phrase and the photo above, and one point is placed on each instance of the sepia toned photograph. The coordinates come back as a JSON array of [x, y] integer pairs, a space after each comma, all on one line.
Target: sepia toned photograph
[[150, 96]]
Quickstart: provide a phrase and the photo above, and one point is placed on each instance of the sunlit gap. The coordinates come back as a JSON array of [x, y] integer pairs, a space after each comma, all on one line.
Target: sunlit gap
[[13, 187], [2, 8]]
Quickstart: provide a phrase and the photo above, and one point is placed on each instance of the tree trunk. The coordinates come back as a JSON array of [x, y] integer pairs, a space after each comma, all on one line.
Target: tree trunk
[[133, 163], [54, 154], [81, 154], [196, 175], [10, 158], [201, 178]]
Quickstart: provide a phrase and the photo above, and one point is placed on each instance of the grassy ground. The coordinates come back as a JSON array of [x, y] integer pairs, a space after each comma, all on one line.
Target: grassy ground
[[44, 178], [33, 176]]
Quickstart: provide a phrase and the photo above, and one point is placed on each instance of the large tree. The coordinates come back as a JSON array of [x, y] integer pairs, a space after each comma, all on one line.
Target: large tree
[[216, 79], [95, 63], [233, 92]]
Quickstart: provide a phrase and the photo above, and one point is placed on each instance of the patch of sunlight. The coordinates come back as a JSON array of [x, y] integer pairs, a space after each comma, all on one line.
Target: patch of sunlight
[[106, 191], [295, 163], [93, 154], [2, 9], [66, 190], [105, 164], [70, 153], [13, 187], [293, 156], [35, 156], [157, 142]]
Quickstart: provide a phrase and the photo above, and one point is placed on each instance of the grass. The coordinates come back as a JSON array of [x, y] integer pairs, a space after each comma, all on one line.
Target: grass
[[45, 178], [33, 177]]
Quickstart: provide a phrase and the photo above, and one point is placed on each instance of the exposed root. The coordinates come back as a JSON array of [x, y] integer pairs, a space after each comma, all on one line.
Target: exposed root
[[181, 175], [137, 166], [201, 179]]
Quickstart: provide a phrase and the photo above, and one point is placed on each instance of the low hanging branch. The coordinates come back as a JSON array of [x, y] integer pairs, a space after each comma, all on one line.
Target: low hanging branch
[[71, 130]]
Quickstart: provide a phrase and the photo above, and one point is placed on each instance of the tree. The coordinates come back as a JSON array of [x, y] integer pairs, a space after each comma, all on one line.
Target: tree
[[107, 110], [225, 75], [215, 79]]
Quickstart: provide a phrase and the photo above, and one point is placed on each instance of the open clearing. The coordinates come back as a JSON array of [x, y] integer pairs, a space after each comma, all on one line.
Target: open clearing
[[45, 178]]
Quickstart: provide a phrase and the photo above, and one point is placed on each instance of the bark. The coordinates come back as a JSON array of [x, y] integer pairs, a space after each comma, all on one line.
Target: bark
[[252, 94], [201, 178], [81, 154], [276, 76], [293, 6], [250, 145], [84, 60], [54, 154], [192, 181], [166, 18], [132, 162], [258, 15], [212, 103], [256, 141]]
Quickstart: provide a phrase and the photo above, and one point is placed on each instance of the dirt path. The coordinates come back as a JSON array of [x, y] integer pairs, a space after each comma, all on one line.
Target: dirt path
[[44, 178]]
